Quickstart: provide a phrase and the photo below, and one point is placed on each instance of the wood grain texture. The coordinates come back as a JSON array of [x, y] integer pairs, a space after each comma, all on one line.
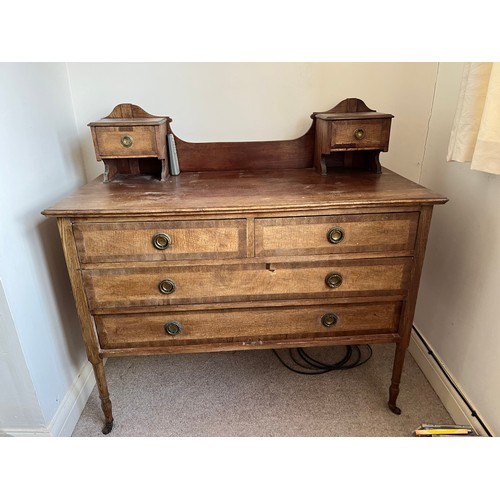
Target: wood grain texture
[[247, 325], [337, 143], [242, 192], [109, 142], [130, 287], [72, 263], [409, 310], [264, 343], [147, 134], [309, 235], [249, 256], [376, 136], [89, 332], [250, 156], [133, 241]]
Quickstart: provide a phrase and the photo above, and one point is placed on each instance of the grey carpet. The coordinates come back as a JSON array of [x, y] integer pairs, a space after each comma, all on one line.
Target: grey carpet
[[249, 393]]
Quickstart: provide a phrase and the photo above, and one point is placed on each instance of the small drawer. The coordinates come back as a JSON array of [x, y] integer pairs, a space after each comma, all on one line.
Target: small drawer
[[247, 325], [170, 285], [335, 234], [360, 134], [160, 241], [126, 142]]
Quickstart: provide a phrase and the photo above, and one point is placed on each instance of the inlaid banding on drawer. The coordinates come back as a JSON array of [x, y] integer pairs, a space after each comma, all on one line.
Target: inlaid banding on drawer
[[110, 141], [348, 233], [135, 241], [240, 325], [133, 287]]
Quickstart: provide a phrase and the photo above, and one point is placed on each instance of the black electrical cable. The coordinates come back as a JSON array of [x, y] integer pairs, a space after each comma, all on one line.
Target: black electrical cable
[[352, 358]]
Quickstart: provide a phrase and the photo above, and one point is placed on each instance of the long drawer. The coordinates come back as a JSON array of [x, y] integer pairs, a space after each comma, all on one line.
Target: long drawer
[[155, 286], [240, 325], [160, 241], [335, 234]]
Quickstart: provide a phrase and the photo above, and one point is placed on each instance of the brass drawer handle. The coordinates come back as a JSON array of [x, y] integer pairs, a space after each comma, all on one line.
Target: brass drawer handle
[[167, 286], [173, 328], [127, 141], [329, 319], [359, 133], [333, 280], [161, 241], [335, 235]]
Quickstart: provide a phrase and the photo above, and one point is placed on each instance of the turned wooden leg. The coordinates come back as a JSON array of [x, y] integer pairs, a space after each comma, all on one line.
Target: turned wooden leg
[[397, 369], [102, 386]]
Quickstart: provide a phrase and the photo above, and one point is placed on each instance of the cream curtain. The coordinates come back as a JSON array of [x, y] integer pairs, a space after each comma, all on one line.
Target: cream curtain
[[475, 136]]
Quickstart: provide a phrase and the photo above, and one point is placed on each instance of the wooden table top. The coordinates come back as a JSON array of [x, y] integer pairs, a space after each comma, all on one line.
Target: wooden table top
[[242, 191]]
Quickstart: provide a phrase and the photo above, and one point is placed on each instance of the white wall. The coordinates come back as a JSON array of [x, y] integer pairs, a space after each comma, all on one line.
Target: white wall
[[19, 407], [42, 350], [257, 101], [457, 309]]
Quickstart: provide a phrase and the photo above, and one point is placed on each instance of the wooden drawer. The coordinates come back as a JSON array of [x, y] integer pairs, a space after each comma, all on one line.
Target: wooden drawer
[[111, 288], [247, 325], [360, 134], [126, 142], [135, 241], [335, 234]]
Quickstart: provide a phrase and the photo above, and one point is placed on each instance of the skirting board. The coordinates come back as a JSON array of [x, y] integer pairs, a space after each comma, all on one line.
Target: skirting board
[[64, 421], [451, 399], [66, 417]]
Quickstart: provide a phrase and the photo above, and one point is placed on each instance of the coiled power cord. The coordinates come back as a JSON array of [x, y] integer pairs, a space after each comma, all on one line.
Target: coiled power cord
[[304, 364]]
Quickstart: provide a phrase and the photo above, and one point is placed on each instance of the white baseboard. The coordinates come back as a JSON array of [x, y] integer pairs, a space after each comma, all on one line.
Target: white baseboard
[[66, 417], [451, 399], [41, 432]]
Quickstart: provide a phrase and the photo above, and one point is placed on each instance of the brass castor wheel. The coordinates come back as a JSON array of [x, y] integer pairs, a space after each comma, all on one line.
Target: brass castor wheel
[[107, 427], [395, 409]]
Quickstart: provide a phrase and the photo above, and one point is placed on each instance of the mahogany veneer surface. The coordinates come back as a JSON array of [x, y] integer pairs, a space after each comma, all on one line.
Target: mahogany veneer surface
[[249, 264]]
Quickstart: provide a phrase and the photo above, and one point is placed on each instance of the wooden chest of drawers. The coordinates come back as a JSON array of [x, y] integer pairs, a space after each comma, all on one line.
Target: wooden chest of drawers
[[209, 261]]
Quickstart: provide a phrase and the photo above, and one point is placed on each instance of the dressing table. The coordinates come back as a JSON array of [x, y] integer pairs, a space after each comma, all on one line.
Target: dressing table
[[254, 245]]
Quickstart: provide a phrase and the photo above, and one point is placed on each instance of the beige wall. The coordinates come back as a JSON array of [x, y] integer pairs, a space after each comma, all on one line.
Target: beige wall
[[257, 101], [459, 300]]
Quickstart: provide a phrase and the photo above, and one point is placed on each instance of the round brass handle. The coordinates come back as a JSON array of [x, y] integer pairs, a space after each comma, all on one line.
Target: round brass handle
[[333, 280], [173, 328], [359, 133], [167, 286], [161, 241], [329, 319], [127, 141], [335, 235]]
